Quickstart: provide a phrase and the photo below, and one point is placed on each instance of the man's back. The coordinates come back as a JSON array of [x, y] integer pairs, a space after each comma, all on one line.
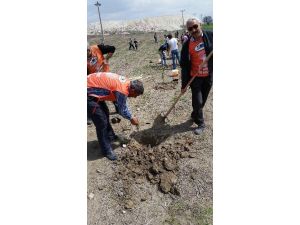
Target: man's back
[[173, 44]]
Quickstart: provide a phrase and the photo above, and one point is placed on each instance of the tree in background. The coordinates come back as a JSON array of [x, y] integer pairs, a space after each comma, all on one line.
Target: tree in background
[[207, 19]]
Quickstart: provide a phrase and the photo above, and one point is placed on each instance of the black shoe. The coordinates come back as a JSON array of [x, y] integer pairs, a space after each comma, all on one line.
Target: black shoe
[[111, 155], [200, 129]]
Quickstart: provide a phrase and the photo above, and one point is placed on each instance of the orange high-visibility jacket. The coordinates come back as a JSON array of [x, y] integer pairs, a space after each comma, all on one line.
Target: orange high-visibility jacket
[[109, 81], [95, 63]]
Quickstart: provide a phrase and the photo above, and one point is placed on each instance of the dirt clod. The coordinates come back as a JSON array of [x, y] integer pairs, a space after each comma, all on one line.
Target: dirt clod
[[129, 204], [91, 196], [167, 180]]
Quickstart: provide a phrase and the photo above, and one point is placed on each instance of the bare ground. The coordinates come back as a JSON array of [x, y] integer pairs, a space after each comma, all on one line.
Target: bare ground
[[164, 174]]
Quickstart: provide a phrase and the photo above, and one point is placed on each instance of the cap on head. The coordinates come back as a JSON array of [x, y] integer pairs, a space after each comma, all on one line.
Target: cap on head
[[137, 86]]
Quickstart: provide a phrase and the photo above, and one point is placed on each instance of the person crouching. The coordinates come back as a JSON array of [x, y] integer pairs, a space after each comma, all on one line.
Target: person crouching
[[105, 86]]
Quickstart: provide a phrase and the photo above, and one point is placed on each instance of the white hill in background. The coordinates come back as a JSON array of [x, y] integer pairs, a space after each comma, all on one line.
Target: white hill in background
[[151, 24]]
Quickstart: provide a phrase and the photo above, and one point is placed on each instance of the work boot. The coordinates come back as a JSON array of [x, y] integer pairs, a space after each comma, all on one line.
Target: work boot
[[111, 155], [199, 129]]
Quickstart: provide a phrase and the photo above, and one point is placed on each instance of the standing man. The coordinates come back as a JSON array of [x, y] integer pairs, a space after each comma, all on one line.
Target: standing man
[[131, 44], [155, 37], [193, 53], [135, 44], [173, 45], [95, 59], [103, 87]]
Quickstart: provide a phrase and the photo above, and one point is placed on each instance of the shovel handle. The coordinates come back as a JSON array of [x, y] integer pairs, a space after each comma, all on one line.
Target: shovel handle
[[188, 84]]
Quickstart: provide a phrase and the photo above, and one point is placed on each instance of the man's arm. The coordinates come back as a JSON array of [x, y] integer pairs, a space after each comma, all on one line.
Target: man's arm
[[121, 103]]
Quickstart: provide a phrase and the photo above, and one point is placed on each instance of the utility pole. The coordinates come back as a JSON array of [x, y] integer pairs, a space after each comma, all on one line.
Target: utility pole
[[182, 18], [98, 5]]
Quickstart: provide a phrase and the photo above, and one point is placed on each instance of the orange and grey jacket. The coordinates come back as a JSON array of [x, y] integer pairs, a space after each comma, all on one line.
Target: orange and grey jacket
[[96, 62], [105, 86]]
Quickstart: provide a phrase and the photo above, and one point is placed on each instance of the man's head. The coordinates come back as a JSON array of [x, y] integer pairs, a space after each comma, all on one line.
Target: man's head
[[193, 25], [170, 36], [136, 88]]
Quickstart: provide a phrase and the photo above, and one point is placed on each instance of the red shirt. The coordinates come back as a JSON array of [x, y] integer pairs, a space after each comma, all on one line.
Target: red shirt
[[197, 54]]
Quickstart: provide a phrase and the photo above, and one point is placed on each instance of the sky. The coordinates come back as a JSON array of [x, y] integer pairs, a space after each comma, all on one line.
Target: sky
[[138, 9]]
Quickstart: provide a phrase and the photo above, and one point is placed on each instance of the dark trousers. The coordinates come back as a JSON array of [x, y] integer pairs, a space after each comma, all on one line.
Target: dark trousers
[[100, 118], [200, 90], [131, 46]]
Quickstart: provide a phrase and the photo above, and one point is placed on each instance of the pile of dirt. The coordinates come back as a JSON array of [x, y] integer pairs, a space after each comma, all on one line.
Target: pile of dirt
[[158, 165]]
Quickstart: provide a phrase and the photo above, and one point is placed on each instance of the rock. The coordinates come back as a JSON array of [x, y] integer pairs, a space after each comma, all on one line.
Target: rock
[[192, 176], [124, 145], [123, 211], [167, 180], [192, 155], [91, 196], [139, 181], [155, 168], [101, 187], [129, 204], [169, 165], [155, 179], [152, 158], [149, 176], [186, 148], [184, 154], [98, 171], [138, 171], [144, 198]]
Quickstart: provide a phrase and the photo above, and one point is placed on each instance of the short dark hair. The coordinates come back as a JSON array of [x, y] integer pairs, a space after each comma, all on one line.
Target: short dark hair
[[137, 86], [170, 36]]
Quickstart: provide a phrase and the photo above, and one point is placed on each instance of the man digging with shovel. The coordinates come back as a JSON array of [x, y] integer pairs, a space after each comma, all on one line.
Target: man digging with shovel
[[103, 87], [193, 53]]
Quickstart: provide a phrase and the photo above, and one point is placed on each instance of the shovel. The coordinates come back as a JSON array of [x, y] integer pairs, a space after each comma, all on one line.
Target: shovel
[[163, 117]]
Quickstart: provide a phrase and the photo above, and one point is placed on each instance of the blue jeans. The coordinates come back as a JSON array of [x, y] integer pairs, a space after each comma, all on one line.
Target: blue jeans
[[175, 55], [100, 118], [163, 58]]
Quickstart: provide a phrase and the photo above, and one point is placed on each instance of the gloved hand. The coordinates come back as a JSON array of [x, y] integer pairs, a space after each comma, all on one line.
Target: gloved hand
[[134, 121]]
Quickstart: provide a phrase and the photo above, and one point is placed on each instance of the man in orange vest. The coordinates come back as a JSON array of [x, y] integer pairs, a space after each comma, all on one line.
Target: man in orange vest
[[105, 86], [193, 53], [95, 59]]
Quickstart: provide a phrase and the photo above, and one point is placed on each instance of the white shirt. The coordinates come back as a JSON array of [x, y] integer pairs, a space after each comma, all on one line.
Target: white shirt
[[173, 44]]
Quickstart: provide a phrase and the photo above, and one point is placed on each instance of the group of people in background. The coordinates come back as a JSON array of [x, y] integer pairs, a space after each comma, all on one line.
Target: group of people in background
[[133, 44]]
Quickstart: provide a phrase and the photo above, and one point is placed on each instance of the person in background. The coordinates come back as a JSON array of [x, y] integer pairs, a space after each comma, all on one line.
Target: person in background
[[163, 55], [96, 62], [131, 44], [173, 45], [193, 53], [155, 37], [135, 44], [102, 87]]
